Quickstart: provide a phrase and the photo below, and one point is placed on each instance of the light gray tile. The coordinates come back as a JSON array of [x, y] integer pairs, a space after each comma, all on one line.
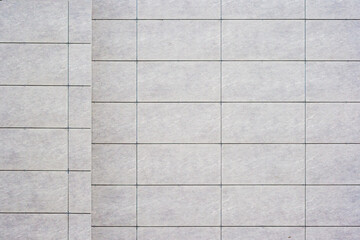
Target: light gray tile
[[114, 40], [114, 9], [79, 226], [258, 233], [80, 21], [179, 81], [176, 233], [332, 40], [33, 226], [179, 164], [263, 9], [332, 205], [162, 40], [33, 21], [114, 233], [80, 107], [170, 206], [113, 164], [332, 123], [33, 191], [33, 106], [263, 205], [33, 149], [263, 40], [263, 164], [114, 81], [35, 64], [80, 64], [80, 192], [332, 81], [80, 149], [332, 233], [263, 81], [263, 123], [179, 123], [332, 164], [114, 123], [113, 206], [179, 9], [333, 9]]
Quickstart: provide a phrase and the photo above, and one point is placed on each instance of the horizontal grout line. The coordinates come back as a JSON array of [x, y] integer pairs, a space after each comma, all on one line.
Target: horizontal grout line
[[65, 213], [44, 85], [230, 226], [64, 43], [218, 60], [42, 128], [134, 102], [224, 185], [41, 170], [218, 143], [225, 19]]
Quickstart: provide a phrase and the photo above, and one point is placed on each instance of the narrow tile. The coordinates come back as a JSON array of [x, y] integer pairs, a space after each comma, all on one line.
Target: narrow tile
[[80, 192], [113, 233], [258, 233], [80, 21], [176, 233], [169, 206], [79, 226], [114, 9], [80, 107], [332, 233], [80, 149], [333, 9], [80, 64]]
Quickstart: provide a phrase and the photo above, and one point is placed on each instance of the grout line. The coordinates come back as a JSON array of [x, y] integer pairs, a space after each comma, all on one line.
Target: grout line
[[41, 170], [227, 60], [55, 43], [226, 185], [248, 143], [234, 226], [184, 102], [305, 159], [221, 124], [44, 85], [226, 19], [68, 122], [137, 99], [64, 213], [46, 128]]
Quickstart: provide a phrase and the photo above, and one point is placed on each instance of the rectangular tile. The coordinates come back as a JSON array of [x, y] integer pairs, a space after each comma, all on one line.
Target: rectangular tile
[[332, 233], [332, 81], [263, 205], [33, 191], [80, 192], [47, 107], [165, 206], [179, 123], [332, 123], [332, 40], [114, 81], [33, 64], [179, 164], [263, 40], [113, 206], [269, 9], [333, 164], [113, 164], [114, 9], [33, 226], [258, 233], [263, 81], [80, 149], [263, 164], [114, 122], [176, 233], [114, 40], [183, 9], [113, 233], [79, 226], [333, 205], [179, 81], [79, 64], [263, 123], [33, 149], [80, 21], [34, 21], [333, 9], [80, 107], [162, 40]]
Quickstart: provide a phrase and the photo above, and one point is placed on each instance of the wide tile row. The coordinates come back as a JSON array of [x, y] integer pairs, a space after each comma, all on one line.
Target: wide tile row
[[241, 164], [241, 122], [241, 206], [241, 40], [206, 9], [46, 21]]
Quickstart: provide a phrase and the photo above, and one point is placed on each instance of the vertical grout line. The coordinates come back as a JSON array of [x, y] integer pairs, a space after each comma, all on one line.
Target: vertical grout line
[[136, 118], [91, 122], [221, 146], [305, 113], [68, 121]]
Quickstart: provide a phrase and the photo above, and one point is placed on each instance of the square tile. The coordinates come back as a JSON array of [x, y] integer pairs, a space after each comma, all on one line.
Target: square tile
[[79, 226]]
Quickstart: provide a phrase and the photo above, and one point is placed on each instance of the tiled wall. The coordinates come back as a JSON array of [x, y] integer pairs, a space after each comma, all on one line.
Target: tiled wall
[[45, 119]]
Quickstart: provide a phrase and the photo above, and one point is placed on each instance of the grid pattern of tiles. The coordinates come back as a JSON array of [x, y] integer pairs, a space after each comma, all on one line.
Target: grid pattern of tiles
[[224, 120], [45, 126]]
